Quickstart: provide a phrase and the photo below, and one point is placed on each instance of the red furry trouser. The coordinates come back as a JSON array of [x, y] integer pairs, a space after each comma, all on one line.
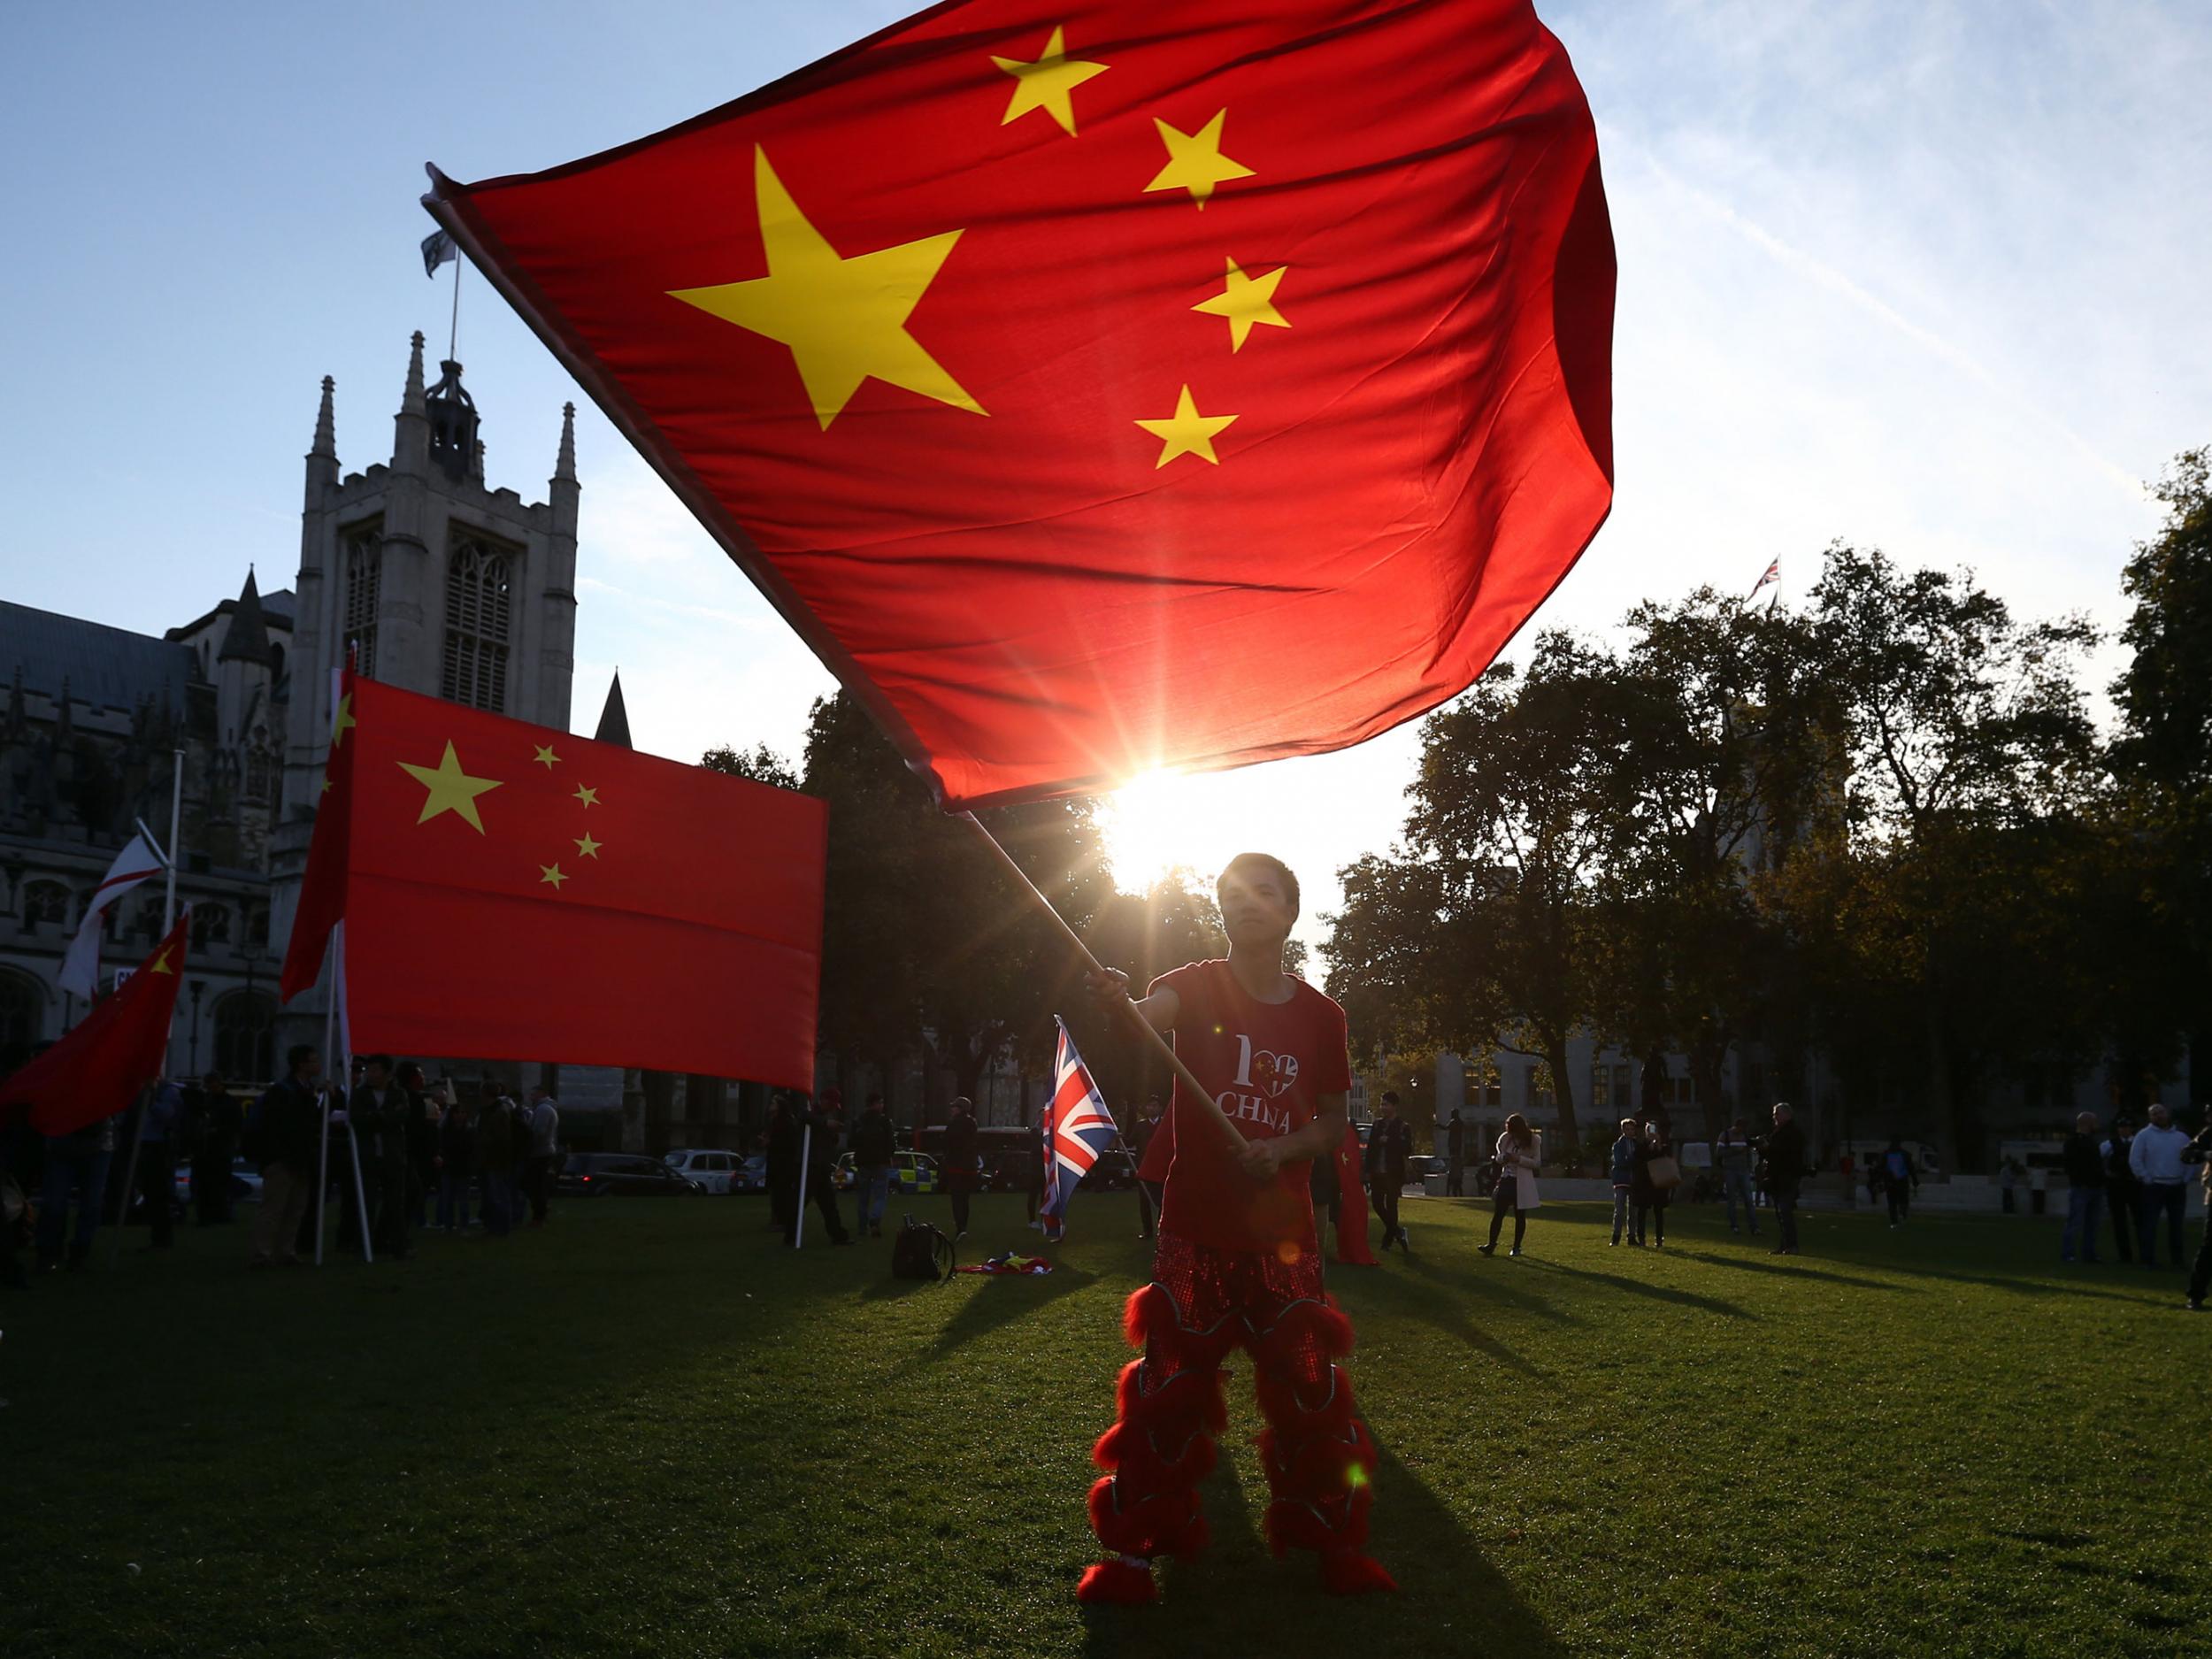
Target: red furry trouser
[[1319, 1460]]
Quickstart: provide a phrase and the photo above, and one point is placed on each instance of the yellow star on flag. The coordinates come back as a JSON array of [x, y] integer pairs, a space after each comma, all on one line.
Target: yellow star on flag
[[546, 758], [589, 797], [1045, 84], [550, 875], [844, 320], [1186, 431], [1195, 161], [326, 786], [1247, 300], [587, 847], [451, 789], [343, 719], [161, 965]]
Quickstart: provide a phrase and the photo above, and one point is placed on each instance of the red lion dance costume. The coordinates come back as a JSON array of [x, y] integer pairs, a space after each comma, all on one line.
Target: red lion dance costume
[[1238, 1266]]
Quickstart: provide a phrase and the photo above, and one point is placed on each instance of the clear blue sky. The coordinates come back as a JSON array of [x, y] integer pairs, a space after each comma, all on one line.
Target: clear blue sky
[[1925, 275]]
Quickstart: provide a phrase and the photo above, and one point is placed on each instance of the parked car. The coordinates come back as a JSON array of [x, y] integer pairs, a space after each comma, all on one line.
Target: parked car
[[709, 1168], [910, 1172], [621, 1175], [750, 1175], [245, 1181]]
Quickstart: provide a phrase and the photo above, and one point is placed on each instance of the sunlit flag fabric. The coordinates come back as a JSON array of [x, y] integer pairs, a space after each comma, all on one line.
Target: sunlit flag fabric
[[98, 1068], [512, 892], [80, 966], [1115, 385], [1077, 1130]]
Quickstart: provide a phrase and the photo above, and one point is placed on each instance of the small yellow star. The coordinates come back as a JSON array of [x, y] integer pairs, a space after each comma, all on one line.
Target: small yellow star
[[1045, 84], [550, 875], [1186, 431], [1245, 300], [326, 786], [589, 797], [343, 719], [1195, 161], [546, 756], [161, 965], [587, 848], [451, 789]]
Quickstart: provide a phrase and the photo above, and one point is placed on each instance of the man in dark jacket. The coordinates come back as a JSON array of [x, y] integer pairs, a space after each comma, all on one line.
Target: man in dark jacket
[[1389, 1143], [818, 1136], [2085, 1196], [379, 1111], [218, 1121], [962, 1177], [1455, 1157], [1786, 1174], [784, 1131], [875, 1148], [2121, 1188], [288, 1124]]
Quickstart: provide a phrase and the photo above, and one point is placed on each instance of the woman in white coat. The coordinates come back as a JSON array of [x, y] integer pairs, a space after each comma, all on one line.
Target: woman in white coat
[[1519, 1152]]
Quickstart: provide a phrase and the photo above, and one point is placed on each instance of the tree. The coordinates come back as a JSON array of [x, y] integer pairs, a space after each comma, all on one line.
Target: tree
[[760, 763]]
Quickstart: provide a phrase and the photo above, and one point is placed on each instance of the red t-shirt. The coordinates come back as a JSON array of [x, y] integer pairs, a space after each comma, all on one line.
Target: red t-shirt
[[1159, 1151], [1268, 1063]]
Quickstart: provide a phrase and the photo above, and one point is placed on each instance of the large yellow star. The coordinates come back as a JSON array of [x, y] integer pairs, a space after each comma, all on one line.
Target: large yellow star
[[550, 875], [451, 789], [1195, 161], [587, 848], [1045, 84], [1247, 300], [1186, 431], [844, 320], [341, 720], [545, 756]]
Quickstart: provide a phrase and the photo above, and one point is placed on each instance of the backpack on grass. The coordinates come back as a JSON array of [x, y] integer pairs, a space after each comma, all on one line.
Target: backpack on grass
[[918, 1251]]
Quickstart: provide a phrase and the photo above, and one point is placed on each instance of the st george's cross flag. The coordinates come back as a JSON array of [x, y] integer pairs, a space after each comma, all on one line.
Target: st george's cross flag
[[1115, 385], [510, 891], [106, 1058], [1077, 1131], [139, 860]]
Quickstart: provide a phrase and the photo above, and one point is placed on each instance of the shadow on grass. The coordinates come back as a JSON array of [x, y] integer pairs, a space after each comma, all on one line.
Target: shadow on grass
[[1449, 1599], [996, 1303], [1440, 1307], [1792, 1271], [1483, 1279], [1644, 1288]]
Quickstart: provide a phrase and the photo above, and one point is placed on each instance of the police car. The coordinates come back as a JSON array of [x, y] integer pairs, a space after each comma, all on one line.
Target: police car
[[910, 1172]]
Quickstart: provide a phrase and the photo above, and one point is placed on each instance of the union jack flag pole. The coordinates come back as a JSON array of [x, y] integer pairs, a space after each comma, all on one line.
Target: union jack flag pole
[[1075, 1133]]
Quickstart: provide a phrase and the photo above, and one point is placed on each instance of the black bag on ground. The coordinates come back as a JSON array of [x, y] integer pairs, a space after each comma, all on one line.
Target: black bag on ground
[[917, 1250]]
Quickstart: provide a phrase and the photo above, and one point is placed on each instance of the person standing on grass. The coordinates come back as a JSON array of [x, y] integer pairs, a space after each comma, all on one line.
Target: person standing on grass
[[456, 1156], [817, 1180], [1389, 1143], [1650, 1193], [544, 1120], [422, 1144], [2200, 1274], [1786, 1175], [1455, 1157], [1735, 1153], [393, 1133], [157, 1137], [217, 1144], [1899, 1178], [1153, 1165], [2084, 1190], [2121, 1188], [1239, 1264], [875, 1149], [287, 1123], [1623, 1176], [1147, 1126], [785, 1133], [2162, 1178], [1519, 1154], [961, 1158], [2007, 1179], [495, 1148]]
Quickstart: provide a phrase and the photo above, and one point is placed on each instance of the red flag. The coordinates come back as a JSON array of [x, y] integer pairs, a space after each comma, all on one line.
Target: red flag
[[512, 892], [322, 900], [1113, 385], [108, 1057]]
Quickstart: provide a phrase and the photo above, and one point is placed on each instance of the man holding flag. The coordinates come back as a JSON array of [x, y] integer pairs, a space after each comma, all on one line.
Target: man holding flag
[[1239, 1265]]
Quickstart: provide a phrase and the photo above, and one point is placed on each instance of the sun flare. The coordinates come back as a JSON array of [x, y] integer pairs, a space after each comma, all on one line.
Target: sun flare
[[1161, 821]]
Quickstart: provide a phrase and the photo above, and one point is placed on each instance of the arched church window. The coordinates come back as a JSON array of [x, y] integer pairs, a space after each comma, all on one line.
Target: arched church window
[[260, 767], [245, 1037], [363, 546], [22, 1016], [44, 902], [256, 925], [479, 615], [211, 925]]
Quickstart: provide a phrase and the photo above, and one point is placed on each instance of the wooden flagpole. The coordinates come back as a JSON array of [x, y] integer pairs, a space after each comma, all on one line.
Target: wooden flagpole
[[1189, 1077]]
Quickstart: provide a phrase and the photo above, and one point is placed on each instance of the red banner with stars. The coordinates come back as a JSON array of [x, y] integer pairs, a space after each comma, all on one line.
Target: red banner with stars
[[1105, 386], [512, 892], [102, 1062]]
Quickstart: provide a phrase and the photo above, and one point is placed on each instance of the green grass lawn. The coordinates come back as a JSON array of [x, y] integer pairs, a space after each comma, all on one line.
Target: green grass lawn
[[647, 1430]]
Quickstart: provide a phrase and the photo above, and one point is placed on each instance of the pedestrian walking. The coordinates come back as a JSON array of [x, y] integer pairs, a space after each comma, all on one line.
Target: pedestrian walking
[[875, 1149], [2121, 1188], [1899, 1179], [1389, 1143], [1624, 1177], [282, 1136], [1736, 1155], [817, 1182], [1786, 1175], [1520, 1152], [1654, 1174], [218, 1121], [2084, 1190], [1455, 1157], [961, 1159], [2161, 1179]]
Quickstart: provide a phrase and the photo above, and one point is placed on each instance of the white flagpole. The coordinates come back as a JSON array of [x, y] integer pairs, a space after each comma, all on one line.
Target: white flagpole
[[345, 1042], [806, 1149], [176, 809], [330, 1028]]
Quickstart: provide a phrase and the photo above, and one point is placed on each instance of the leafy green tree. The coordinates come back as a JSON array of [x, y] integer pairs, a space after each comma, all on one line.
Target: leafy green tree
[[759, 763]]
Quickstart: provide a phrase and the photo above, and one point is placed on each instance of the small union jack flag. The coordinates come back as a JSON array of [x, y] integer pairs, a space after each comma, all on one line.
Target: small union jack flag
[[1774, 574], [1076, 1133]]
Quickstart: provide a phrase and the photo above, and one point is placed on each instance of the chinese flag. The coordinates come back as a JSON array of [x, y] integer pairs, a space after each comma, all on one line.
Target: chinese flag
[[108, 1057], [1118, 384], [512, 892]]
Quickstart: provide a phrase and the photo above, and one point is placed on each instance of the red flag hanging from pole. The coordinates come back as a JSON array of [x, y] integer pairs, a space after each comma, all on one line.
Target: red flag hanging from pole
[[1119, 385], [98, 1068]]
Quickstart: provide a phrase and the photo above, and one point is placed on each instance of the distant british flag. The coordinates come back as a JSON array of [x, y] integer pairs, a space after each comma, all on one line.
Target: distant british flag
[[1076, 1131], [1774, 574]]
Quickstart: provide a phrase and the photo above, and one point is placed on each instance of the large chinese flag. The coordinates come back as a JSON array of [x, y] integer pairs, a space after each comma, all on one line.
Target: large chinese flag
[[1117, 384], [510, 891], [108, 1057]]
